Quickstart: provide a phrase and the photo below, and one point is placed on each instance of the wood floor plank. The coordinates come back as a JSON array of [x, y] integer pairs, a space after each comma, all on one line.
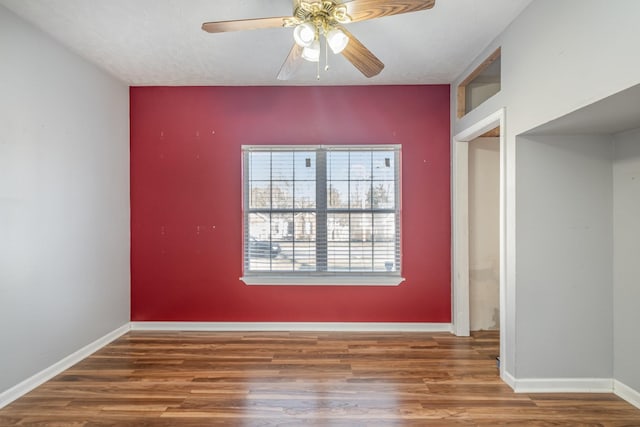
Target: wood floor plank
[[293, 379]]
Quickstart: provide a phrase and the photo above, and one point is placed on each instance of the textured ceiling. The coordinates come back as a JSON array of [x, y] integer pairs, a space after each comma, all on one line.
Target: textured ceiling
[[159, 42]]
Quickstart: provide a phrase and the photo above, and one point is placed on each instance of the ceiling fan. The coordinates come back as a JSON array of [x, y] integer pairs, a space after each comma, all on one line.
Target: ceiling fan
[[312, 20]]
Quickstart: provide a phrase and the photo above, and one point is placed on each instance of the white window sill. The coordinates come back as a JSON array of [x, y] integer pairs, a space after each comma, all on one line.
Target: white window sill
[[323, 280]]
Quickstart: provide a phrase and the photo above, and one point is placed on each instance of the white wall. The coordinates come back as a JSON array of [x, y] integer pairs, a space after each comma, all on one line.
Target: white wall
[[565, 263], [478, 92], [64, 202], [557, 56], [584, 53], [484, 222], [626, 226]]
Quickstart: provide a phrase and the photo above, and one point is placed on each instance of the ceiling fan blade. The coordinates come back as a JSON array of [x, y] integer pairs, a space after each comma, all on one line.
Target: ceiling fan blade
[[292, 63], [361, 57], [244, 24], [360, 10]]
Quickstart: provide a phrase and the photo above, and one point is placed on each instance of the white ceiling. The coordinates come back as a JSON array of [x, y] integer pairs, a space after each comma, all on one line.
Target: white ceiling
[[159, 42]]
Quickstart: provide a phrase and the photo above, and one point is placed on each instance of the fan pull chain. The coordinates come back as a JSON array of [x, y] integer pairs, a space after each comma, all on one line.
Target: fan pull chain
[[326, 54]]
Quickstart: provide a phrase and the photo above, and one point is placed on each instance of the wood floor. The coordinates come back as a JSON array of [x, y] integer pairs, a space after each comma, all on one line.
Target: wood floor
[[301, 379]]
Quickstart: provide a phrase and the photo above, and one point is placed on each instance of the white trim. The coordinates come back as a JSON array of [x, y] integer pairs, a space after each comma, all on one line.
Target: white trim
[[508, 378], [526, 385], [460, 238], [460, 230], [46, 374], [327, 147], [481, 127], [323, 280], [505, 234], [627, 393], [563, 385], [292, 326]]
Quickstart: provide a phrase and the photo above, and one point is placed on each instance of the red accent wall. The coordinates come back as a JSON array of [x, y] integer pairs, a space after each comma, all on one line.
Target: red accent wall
[[186, 208]]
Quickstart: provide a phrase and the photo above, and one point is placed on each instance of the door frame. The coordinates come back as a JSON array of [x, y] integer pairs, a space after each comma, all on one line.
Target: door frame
[[460, 225]]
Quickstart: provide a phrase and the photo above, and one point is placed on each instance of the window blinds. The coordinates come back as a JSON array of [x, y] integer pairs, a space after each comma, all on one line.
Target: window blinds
[[322, 209]]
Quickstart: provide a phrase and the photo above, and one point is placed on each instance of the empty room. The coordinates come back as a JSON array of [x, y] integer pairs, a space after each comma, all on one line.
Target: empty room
[[345, 213]]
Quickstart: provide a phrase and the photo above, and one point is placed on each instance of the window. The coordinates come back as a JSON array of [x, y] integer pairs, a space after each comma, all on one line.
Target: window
[[322, 214]]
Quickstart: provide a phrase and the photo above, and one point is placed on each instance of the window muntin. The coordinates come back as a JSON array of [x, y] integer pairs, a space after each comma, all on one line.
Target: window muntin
[[322, 210]]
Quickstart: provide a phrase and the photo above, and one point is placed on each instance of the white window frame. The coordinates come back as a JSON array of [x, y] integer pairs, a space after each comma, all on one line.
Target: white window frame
[[323, 277]]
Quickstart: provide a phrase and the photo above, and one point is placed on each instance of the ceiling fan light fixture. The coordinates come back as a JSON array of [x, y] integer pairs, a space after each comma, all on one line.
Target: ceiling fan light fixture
[[312, 20], [312, 53], [304, 34], [337, 40]]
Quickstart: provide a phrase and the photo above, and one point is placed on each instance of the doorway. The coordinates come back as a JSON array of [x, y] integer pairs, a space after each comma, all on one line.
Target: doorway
[[484, 234], [461, 269]]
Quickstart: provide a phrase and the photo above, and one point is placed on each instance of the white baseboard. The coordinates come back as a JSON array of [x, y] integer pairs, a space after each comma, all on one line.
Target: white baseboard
[[292, 326], [627, 393], [523, 385], [573, 385], [562, 385], [46, 374], [508, 378]]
